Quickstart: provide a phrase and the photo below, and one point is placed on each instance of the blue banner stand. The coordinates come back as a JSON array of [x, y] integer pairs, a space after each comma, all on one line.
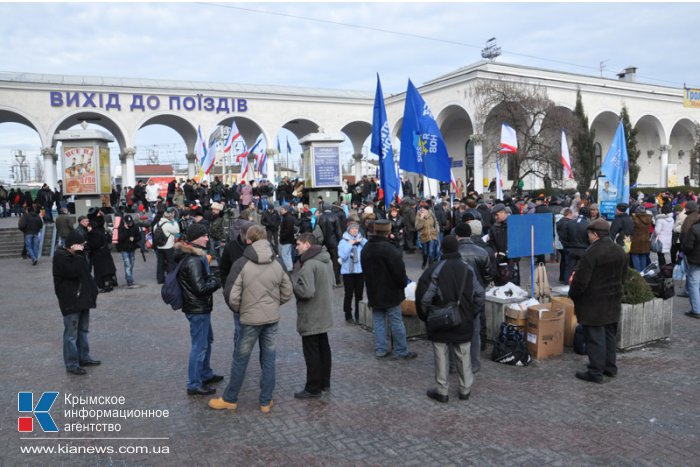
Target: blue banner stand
[[530, 235]]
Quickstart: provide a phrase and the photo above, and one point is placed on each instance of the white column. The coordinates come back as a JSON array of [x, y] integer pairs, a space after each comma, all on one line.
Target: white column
[[50, 157], [129, 177], [270, 162], [191, 157], [663, 178], [358, 166], [478, 141], [431, 187], [122, 161]]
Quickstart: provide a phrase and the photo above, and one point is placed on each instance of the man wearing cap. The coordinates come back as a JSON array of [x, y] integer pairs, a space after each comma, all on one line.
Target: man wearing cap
[[385, 279], [595, 211], [165, 253], [128, 237], [509, 268], [198, 285], [596, 289], [77, 293], [622, 226]]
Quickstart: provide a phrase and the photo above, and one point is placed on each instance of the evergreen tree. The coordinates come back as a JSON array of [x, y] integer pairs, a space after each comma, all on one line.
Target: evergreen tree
[[632, 151], [583, 148], [695, 153]]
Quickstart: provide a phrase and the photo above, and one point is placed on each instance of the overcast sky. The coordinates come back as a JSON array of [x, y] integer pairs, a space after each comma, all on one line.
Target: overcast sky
[[195, 41]]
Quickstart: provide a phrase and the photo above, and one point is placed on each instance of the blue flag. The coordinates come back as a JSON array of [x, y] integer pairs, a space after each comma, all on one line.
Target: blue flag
[[289, 148], [616, 165], [422, 147], [381, 146], [278, 146]]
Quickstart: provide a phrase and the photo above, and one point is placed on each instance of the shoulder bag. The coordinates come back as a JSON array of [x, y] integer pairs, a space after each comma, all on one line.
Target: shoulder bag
[[447, 316]]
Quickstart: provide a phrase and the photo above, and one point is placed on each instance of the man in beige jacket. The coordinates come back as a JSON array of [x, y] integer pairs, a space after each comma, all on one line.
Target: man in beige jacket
[[257, 285]]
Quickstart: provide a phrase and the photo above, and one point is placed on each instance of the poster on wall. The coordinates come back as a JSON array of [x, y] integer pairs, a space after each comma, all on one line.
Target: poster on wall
[[327, 166], [105, 177], [672, 175], [79, 175]]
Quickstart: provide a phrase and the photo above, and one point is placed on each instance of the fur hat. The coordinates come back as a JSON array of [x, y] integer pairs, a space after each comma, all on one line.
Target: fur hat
[[600, 226], [73, 238], [476, 226], [382, 226]]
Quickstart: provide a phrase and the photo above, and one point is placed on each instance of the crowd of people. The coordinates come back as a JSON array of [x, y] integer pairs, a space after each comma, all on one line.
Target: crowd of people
[[263, 245]]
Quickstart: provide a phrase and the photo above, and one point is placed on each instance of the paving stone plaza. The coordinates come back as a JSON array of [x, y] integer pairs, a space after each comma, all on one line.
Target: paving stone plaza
[[377, 412]]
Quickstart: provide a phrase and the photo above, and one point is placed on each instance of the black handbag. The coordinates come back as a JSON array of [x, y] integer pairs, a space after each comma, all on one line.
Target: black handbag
[[447, 316]]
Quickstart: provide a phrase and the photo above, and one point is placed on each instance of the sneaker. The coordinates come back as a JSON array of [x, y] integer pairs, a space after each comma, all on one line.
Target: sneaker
[[408, 356], [220, 404], [692, 315], [266, 408]]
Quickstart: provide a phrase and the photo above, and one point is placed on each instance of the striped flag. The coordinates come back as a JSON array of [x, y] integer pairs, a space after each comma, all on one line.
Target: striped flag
[[509, 140], [233, 136], [453, 182], [565, 159], [499, 183], [211, 157], [262, 165]]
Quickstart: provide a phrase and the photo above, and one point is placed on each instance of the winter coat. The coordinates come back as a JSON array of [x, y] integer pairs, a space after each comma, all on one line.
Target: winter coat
[[621, 226], [123, 234], [74, 287], [663, 230], [330, 226], [98, 242], [287, 229], [197, 283], [385, 273], [478, 258], [640, 237], [691, 244], [454, 274], [271, 220], [350, 254], [426, 227], [409, 218], [313, 289], [171, 229], [257, 285], [64, 224], [498, 239], [232, 252], [596, 288], [575, 236], [30, 223], [246, 194], [397, 229]]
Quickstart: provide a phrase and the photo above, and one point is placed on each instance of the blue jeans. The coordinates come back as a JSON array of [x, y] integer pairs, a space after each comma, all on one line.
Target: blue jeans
[[692, 286], [31, 242], [286, 254], [639, 262], [128, 257], [265, 336], [75, 338], [430, 249], [398, 331], [202, 337]]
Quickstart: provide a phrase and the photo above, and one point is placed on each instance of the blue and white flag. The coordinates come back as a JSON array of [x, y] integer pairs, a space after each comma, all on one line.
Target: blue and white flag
[[422, 147], [279, 151], [616, 165], [381, 146]]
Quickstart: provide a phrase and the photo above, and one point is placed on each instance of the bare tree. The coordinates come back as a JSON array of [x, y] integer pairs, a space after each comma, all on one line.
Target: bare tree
[[39, 169], [536, 119]]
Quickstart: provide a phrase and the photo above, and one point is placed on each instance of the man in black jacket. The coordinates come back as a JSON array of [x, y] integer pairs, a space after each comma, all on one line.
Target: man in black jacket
[[198, 285], [385, 279], [481, 264], [441, 288], [76, 293], [271, 221], [498, 240], [30, 224], [287, 240], [596, 289], [575, 240], [330, 226], [622, 225], [691, 249]]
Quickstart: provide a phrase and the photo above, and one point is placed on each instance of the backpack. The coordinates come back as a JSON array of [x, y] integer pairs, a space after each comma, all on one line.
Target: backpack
[[510, 348], [171, 292], [160, 238]]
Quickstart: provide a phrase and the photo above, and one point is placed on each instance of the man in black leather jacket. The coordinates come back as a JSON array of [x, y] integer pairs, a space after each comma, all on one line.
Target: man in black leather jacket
[[481, 263], [330, 226], [575, 240], [198, 285]]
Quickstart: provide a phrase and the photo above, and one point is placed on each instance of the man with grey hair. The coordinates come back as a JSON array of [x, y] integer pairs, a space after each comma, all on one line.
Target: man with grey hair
[[64, 225]]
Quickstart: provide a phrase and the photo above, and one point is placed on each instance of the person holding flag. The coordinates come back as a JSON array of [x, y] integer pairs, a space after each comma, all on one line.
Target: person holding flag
[[381, 146]]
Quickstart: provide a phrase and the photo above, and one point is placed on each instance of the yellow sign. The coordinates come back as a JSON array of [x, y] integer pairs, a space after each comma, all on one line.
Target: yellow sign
[[105, 179], [691, 98]]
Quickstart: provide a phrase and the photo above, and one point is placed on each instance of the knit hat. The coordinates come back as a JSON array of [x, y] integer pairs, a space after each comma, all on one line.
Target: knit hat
[[353, 224], [382, 226], [691, 206], [218, 206], [475, 226], [195, 231], [449, 244], [463, 230], [498, 208], [600, 226], [128, 219], [73, 238]]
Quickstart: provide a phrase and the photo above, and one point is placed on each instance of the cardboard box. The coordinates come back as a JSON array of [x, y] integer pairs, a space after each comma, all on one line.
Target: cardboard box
[[520, 323], [545, 330], [570, 320]]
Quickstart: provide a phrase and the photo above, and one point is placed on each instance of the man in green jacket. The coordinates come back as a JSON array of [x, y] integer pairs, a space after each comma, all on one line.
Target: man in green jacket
[[313, 288]]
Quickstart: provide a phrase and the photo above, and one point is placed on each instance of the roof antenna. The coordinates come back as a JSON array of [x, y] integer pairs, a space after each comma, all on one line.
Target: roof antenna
[[491, 50]]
